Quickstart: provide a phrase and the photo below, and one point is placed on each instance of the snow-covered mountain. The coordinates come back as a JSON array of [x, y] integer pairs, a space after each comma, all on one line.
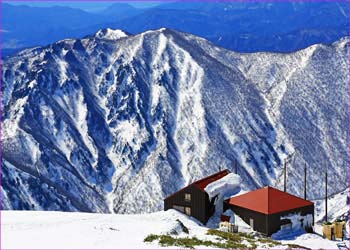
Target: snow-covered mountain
[[114, 122]]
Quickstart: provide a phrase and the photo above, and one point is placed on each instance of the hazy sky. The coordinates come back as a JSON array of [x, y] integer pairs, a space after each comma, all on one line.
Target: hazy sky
[[87, 6]]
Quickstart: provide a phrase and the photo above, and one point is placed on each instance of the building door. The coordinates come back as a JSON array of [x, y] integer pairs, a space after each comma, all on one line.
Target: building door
[[251, 223]]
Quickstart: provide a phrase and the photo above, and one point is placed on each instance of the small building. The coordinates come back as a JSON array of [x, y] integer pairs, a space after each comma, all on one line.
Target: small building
[[193, 200], [267, 210]]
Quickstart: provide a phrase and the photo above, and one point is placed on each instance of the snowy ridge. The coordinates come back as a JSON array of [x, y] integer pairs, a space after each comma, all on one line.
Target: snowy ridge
[[110, 34], [98, 125]]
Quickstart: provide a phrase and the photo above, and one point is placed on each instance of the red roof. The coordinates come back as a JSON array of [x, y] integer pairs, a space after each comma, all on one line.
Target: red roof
[[203, 183], [268, 200]]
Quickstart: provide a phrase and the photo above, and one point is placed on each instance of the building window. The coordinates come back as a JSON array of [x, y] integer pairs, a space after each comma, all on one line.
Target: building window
[[286, 226], [187, 197], [179, 208], [188, 211]]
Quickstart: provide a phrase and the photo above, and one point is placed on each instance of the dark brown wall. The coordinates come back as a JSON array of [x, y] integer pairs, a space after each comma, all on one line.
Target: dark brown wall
[[209, 206], [260, 219], [274, 220], [267, 224], [200, 206]]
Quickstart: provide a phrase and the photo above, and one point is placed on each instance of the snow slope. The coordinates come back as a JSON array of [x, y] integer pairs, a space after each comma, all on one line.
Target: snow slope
[[62, 230], [338, 206], [58, 230], [116, 122], [315, 241]]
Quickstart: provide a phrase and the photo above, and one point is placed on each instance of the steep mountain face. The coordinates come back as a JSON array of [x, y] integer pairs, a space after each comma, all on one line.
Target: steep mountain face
[[114, 123]]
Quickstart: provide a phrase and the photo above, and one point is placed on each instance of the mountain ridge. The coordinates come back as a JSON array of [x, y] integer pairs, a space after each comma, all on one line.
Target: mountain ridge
[[91, 118]]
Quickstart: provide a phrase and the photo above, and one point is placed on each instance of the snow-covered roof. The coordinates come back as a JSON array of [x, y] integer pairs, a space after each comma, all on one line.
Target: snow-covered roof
[[223, 186], [203, 183]]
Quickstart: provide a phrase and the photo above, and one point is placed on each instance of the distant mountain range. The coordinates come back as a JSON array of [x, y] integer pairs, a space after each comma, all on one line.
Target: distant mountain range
[[239, 26], [25, 26], [116, 122]]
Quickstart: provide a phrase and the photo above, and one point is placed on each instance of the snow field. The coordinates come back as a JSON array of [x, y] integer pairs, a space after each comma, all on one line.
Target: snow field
[[60, 230]]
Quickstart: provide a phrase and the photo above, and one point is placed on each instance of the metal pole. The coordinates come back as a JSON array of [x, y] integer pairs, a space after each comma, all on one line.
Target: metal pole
[[326, 198], [285, 176], [305, 181], [236, 170]]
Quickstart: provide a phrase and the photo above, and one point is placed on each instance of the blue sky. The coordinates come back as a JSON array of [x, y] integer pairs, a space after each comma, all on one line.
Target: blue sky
[[87, 6]]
